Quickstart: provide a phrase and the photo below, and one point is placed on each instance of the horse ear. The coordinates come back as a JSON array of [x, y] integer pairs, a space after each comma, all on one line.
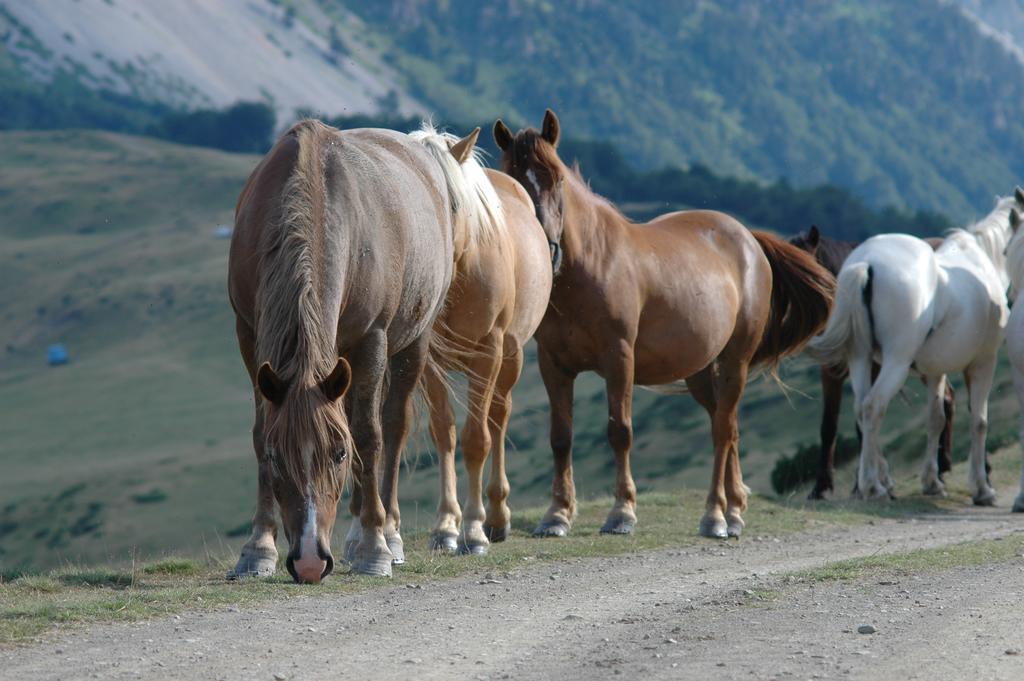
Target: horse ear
[[337, 383], [550, 130], [270, 384], [462, 149], [1018, 194], [502, 135], [813, 236], [1015, 219]]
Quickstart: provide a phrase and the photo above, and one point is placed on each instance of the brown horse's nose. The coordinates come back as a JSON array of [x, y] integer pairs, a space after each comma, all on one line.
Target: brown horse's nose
[[311, 568]]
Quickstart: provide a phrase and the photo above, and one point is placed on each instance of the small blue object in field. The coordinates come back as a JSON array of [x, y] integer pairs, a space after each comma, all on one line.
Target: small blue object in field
[[56, 355]]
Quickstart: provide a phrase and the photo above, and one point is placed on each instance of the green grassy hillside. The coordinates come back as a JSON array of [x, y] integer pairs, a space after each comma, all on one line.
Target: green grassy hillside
[[142, 443], [905, 103]]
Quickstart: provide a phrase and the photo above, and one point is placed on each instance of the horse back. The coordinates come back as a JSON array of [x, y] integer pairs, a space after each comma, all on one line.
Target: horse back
[[380, 233]]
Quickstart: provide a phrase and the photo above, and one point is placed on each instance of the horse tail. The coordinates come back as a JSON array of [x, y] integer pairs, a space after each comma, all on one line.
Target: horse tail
[[802, 293], [850, 328]]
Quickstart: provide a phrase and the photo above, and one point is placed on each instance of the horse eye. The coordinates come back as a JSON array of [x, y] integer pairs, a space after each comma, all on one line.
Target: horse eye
[[339, 455]]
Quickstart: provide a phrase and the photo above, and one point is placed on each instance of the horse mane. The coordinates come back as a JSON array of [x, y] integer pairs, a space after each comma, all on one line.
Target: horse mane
[[475, 204], [1015, 263], [291, 332], [993, 232]]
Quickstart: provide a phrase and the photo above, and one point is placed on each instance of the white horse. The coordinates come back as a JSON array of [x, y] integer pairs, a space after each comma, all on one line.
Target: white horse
[[1015, 327], [910, 308]]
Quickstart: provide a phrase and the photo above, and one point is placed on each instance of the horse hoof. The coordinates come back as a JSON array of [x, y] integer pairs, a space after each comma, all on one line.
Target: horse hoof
[[618, 526], [934, 489], [734, 530], [817, 494], [497, 534], [713, 528], [472, 549], [253, 566], [555, 529], [373, 566], [397, 548], [986, 498], [444, 543], [1018, 505], [350, 550], [252, 570]]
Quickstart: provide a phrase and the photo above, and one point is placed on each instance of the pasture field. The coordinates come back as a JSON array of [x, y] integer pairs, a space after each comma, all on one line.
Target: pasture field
[[139, 448]]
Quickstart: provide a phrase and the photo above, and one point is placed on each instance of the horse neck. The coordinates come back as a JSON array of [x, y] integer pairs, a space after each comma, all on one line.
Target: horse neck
[[589, 222], [294, 333], [296, 326]]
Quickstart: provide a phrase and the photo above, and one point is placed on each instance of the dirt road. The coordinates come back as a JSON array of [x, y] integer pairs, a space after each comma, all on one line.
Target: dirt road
[[719, 611]]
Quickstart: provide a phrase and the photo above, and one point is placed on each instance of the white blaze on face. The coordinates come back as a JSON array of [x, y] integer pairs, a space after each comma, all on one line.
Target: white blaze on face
[[307, 544], [532, 177]]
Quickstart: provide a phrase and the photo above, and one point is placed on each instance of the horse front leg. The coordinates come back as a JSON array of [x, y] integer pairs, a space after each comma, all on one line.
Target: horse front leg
[[498, 523], [259, 553], [370, 555], [832, 379], [559, 385], [618, 371], [405, 369], [931, 481], [979, 379]]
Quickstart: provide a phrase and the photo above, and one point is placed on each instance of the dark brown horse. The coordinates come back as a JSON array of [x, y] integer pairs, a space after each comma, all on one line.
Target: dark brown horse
[[340, 260], [832, 253], [691, 295]]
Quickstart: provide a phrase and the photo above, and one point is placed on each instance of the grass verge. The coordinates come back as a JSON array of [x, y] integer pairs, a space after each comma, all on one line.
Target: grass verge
[[968, 554], [33, 604]]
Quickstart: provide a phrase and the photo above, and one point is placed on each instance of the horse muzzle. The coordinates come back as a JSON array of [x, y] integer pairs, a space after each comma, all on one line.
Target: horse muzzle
[[310, 568]]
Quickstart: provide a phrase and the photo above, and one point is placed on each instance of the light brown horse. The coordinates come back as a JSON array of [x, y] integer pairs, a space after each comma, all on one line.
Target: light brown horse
[[340, 261], [691, 295], [498, 296]]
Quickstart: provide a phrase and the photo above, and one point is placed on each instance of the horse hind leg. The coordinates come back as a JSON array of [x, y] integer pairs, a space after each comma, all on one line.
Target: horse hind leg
[[945, 454], [832, 379], [931, 482], [444, 536], [702, 388], [476, 440], [498, 523], [1018, 386], [873, 478], [727, 495], [979, 379]]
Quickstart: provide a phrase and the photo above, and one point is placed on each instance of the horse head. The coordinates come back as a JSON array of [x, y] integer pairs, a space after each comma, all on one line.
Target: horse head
[[531, 157], [308, 444]]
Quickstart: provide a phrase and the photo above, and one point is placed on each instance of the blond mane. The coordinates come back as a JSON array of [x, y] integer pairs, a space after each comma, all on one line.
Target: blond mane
[[475, 205]]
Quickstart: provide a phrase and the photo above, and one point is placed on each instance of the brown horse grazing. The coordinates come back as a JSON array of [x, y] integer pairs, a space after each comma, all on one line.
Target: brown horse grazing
[[831, 254], [691, 295], [340, 261], [498, 296]]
